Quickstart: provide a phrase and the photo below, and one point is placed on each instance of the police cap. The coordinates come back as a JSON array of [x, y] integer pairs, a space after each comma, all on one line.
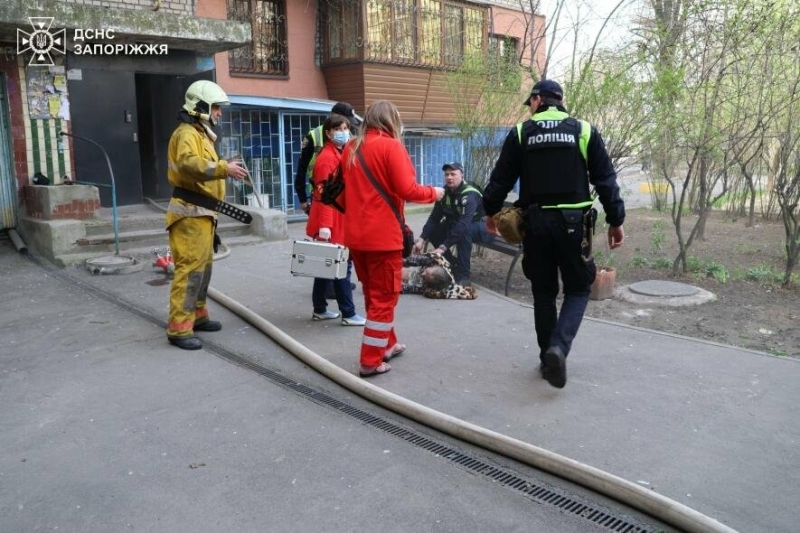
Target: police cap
[[546, 88]]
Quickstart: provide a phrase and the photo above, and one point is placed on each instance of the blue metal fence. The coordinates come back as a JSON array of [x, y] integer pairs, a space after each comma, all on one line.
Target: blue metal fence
[[270, 140]]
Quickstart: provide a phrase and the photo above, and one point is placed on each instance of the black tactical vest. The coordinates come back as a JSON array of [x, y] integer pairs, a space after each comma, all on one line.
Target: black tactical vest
[[554, 169]]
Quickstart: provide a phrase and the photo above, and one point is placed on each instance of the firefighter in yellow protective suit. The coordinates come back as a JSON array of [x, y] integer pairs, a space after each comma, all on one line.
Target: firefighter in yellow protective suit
[[194, 165]]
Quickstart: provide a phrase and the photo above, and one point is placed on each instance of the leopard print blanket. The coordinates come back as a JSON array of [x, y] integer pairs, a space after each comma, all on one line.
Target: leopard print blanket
[[453, 291]]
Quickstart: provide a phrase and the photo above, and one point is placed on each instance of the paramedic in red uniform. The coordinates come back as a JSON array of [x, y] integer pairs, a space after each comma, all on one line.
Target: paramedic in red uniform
[[371, 229]]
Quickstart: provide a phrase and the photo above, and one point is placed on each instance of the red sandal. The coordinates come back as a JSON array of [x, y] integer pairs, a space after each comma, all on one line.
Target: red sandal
[[394, 351], [365, 371]]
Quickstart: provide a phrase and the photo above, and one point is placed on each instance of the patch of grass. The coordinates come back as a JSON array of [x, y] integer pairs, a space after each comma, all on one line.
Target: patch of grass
[[718, 272], [694, 263], [639, 261], [729, 198], [760, 273], [778, 352], [767, 275], [604, 258], [661, 263], [658, 237], [707, 268]]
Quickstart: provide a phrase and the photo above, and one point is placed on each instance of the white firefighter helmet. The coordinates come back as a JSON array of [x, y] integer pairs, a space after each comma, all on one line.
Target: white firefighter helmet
[[204, 92]]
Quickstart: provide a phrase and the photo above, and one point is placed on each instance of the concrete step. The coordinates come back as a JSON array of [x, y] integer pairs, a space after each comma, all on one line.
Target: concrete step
[[137, 217], [141, 227], [99, 227], [135, 222], [153, 238]]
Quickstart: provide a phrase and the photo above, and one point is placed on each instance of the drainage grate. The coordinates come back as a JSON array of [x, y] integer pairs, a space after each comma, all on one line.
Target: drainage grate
[[538, 493]]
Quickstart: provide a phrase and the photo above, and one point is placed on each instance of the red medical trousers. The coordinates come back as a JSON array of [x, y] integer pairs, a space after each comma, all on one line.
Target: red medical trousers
[[379, 274]]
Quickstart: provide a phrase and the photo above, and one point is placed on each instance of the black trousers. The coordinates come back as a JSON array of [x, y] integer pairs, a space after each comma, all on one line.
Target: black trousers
[[553, 246], [462, 265]]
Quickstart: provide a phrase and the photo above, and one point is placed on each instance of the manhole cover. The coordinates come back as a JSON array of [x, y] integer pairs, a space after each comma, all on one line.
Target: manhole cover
[[114, 261], [667, 289], [113, 264]]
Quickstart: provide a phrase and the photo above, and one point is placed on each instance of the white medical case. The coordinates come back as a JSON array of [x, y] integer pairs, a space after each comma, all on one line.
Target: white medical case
[[319, 259]]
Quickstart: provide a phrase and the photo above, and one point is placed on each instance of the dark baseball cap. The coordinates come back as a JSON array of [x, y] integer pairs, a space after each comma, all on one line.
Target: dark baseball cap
[[546, 87], [453, 166], [346, 110]]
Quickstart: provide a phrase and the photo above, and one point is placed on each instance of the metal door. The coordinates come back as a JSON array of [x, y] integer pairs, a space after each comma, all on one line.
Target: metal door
[[104, 109], [159, 97]]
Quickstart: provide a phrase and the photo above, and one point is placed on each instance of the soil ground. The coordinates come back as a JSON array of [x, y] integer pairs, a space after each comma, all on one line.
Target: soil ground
[[742, 266]]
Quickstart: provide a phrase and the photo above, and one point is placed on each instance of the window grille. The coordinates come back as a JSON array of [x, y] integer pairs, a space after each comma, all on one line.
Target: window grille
[[432, 33], [504, 70], [268, 52]]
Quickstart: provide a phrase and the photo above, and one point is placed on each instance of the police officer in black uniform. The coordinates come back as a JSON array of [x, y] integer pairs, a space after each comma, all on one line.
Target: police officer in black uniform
[[556, 158], [456, 219]]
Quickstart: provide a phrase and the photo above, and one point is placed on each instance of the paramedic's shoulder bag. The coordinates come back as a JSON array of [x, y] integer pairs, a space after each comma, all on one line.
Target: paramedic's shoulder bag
[[332, 190]]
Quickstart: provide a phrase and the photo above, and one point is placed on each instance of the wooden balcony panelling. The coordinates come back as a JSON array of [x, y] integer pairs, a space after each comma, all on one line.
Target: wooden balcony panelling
[[421, 94]]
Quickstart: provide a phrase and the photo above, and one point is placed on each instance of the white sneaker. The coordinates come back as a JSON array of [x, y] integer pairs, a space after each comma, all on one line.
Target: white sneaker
[[327, 315], [355, 320]]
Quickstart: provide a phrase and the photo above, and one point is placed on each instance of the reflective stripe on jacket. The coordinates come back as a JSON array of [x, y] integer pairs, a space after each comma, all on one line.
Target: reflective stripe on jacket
[[554, 120]]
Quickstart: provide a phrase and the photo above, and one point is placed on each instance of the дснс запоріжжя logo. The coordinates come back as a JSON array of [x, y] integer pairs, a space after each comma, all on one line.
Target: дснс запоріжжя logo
[[41, 41]]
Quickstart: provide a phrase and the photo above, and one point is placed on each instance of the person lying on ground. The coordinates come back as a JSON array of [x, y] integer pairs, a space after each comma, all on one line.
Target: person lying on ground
[[432, 276]]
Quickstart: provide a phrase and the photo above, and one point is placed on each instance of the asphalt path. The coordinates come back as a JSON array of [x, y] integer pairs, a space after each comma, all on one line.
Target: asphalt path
[[105, 426]]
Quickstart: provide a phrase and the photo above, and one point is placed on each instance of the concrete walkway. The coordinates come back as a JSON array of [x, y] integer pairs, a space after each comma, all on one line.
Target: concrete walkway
[[713, 427]]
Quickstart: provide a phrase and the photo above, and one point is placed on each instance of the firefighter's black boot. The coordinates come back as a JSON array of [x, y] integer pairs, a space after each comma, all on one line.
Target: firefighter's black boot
[[208, 325], [186, 343]]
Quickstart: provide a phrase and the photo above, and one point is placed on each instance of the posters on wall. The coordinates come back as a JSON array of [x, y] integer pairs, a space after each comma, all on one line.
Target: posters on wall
[[47, 92]]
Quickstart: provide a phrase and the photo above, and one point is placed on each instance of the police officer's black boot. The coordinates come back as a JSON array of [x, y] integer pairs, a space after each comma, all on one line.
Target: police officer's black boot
[[186, 343], [554, 367]]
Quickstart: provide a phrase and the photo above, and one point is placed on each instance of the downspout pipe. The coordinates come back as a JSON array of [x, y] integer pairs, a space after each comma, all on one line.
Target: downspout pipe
[[19, 244], [652, 503]]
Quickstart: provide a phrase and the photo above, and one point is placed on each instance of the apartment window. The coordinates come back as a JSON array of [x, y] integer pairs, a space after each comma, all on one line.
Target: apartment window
[[268, 52], [431, 30], [474, 31], [341, 21], [417, 32], [403, 34]]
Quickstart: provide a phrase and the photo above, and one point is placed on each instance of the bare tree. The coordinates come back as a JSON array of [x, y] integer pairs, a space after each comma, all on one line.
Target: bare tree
[[698, 49]]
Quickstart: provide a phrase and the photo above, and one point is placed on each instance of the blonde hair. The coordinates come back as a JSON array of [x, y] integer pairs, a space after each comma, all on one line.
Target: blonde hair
[[381, 115]]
